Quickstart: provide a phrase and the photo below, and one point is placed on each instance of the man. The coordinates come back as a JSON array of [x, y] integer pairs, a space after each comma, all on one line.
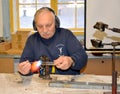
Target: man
[[58, 44]]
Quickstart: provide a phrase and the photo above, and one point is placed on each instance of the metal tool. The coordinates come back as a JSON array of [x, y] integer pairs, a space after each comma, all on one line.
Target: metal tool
[[42, 66], [81, 85]]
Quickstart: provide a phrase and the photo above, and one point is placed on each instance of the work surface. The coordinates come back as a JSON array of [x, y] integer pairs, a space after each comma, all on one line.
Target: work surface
[[16, 84]]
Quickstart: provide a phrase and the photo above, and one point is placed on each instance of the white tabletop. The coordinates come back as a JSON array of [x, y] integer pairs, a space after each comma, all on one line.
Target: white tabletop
[[15, 84]]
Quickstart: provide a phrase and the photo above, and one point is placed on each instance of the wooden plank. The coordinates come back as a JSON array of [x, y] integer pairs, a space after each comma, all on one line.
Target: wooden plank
[[6, 65]]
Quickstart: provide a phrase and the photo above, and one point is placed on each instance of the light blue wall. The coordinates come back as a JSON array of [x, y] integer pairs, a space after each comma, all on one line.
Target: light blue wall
[[6, 19]]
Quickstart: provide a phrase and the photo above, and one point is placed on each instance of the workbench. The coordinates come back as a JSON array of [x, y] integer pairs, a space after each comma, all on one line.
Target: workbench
[[14, 83]]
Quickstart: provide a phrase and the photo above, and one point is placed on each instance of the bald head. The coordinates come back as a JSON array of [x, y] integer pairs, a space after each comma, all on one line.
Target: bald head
[[42, 11]]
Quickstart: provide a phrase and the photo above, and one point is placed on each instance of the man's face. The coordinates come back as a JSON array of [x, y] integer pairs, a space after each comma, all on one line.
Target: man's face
[[45, 23]]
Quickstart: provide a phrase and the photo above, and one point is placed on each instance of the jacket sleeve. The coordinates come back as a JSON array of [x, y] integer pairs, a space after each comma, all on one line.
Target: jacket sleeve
[[28, 53], [77, 52]]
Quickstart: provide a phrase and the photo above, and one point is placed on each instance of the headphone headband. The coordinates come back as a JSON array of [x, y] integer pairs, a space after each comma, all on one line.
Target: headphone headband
[[57, 21]]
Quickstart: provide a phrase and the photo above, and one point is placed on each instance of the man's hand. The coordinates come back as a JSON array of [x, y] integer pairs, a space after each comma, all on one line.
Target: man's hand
[[24, 67], [63, 62]]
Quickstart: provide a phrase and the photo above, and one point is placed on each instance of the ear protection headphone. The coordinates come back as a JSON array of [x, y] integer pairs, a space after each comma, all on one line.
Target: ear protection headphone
[[57, 21]]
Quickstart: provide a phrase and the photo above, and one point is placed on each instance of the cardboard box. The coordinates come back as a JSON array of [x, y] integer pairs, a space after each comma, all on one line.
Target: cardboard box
[[14, 52], [5, 46], [18, 45], [19, 39]]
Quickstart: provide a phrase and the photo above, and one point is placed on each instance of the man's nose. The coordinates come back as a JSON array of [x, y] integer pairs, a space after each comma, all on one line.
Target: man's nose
[[45, 29]]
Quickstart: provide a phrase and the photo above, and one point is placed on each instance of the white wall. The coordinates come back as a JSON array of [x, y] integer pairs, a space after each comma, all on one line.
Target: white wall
[[107, 11], [1, 21]]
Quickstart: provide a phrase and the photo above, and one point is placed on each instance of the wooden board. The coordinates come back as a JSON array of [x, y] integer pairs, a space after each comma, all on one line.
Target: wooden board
[[6, 65]]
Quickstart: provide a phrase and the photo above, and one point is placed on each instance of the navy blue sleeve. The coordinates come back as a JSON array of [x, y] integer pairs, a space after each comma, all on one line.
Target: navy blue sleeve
[[76, 51], [28, 53]]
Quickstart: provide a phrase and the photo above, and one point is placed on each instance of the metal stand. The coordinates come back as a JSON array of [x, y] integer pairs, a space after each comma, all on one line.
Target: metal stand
[[114, 72], [101, 26]]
